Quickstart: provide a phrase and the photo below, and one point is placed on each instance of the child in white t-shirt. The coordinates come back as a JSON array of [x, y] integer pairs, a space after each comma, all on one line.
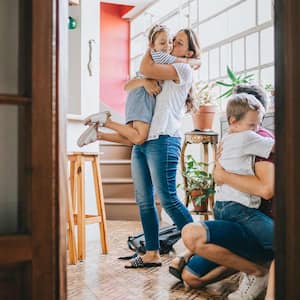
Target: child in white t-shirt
[[140, 104], [239, 147]]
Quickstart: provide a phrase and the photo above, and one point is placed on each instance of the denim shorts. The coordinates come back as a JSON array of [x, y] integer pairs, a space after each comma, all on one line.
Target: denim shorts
[[258, 225], [232, 236], [139, 106]]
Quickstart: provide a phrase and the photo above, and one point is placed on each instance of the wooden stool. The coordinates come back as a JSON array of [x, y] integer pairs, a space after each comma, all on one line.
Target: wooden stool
[[205, 138], [71, 229], [77, 177]]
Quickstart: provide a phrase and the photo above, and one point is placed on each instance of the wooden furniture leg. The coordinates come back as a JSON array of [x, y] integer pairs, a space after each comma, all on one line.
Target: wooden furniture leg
[[100, 204]]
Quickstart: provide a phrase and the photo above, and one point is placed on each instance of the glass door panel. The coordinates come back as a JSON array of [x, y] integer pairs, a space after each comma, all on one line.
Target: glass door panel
[[13, 153], [15, 37], [9, 32]]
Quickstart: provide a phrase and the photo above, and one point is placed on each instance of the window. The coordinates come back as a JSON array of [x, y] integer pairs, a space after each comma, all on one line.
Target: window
[[238, 33]]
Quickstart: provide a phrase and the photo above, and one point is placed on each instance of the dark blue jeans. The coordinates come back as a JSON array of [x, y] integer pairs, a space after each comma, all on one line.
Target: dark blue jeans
[[154, 166], [259, 225], [244, 231]]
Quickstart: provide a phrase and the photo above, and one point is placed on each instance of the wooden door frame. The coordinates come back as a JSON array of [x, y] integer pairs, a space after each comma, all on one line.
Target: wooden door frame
[[48, 213], [33, 263], [62, 82], [287, 108]]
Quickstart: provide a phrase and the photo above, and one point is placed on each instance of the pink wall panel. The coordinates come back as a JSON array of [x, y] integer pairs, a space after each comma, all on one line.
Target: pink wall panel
[[114, 55]]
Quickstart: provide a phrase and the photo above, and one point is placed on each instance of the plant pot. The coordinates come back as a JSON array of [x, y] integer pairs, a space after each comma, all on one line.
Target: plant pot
[[203, 206], [203, 118]]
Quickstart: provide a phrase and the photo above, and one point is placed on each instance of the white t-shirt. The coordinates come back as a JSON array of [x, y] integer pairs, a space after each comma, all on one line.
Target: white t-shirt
[[170, 104], [238, 156]]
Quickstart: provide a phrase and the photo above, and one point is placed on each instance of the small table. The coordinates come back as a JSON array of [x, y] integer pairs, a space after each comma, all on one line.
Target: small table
[[205, 138]]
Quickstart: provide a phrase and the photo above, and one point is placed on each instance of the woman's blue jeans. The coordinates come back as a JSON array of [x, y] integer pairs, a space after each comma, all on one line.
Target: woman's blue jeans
[[154, 166]]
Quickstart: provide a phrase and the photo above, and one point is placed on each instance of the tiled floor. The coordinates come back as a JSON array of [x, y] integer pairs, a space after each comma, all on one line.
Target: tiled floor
[[103, 277]]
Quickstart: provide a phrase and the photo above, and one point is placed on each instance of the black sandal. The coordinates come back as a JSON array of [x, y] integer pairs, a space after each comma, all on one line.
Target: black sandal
[[138, 262], [177, 272]]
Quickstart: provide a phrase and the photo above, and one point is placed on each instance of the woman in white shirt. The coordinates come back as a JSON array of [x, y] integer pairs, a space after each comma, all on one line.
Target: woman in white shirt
[[154, 163]]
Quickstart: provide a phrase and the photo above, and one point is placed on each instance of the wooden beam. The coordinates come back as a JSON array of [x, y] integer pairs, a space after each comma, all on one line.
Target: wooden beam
[[287, 111], [12, 99], [15, 249]]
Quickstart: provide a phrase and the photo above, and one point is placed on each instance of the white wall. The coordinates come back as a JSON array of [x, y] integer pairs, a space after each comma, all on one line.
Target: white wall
[[83, 88]]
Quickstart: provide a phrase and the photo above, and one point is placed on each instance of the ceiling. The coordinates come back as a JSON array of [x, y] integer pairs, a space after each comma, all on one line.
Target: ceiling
[[139, 6]]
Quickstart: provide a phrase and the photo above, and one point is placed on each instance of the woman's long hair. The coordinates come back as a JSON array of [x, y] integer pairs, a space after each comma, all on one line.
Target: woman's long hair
[[194, 46]]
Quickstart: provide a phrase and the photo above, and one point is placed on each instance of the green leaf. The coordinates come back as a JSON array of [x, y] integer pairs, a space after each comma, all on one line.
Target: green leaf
[[224, 83], [226, 94], [230, 74], [203, 173], [248, 76], [190, 164], [199, 199], [244, 81]]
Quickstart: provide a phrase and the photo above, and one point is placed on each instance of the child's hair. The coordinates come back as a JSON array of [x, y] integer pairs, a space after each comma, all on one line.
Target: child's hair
[[239, 104], [153, 33], [258, 92]]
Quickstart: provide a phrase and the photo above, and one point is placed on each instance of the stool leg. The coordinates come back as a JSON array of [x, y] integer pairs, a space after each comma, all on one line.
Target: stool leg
[[72, 182], [81, 209], [215, 148], [100, 204], [71, 229], [205, 156]]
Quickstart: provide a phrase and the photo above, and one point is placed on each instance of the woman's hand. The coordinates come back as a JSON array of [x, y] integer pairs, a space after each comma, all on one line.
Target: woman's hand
[[218, 173], [152, 87]]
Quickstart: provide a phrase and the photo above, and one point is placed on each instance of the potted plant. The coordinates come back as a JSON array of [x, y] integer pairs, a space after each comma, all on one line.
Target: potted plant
[[270, 88], [199, 184], [205, 104], [271, 93], [234, 80]]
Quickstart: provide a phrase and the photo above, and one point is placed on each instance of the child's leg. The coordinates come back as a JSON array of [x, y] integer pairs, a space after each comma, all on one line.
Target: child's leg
[[260, 225], [113, 137], [214, 275], [91, 135], [136, 133], [271, 283]]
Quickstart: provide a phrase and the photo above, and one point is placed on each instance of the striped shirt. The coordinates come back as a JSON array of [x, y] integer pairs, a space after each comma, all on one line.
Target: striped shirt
[[160, 57]]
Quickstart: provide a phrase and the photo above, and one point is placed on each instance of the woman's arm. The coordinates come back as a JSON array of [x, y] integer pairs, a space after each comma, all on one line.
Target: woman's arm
[[151, 85], [157, 71], [261, 184]]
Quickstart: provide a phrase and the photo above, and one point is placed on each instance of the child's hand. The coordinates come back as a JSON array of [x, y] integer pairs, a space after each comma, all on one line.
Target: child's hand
[[195, 67], [218, 173], [195, 63], [152, 87]]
